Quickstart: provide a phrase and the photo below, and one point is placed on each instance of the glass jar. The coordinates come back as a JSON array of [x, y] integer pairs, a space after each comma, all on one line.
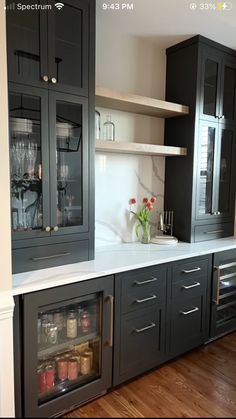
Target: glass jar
[[85, 367], [72, 369], [85, 322], [58, 319], [109, 129], [50, 376], [71, 325], [44, 330], [42, 382], [52, 334], [89, 352], [62, 369]]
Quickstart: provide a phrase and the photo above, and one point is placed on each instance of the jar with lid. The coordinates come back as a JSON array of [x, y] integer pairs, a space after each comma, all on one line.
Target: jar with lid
[[85, 322], [85, 367], [62, 369], [71, 325], [50, 376], [45, 325], [58, 319], [52, 334], [72, 369]]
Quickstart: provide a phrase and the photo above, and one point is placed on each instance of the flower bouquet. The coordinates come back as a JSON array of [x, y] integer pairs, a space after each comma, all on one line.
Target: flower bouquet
[[143, 217]]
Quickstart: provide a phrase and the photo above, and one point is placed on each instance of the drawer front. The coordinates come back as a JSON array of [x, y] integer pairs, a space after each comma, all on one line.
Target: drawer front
[[140, 341], [39, 257], [189, 271], [142, 288], [213, 231], [187, 324], [188, 288]]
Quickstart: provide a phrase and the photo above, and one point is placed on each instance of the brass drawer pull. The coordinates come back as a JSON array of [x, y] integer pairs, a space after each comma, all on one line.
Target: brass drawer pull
[[213, 231], [153, 297], [59, 255], [217, 299], [185, 271], [188, 287], [145, 282], [110, 340], [185, 313], [145, 328]]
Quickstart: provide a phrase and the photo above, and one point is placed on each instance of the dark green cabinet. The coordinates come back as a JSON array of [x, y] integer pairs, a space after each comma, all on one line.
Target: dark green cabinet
[[201, 190], [189, 304], [223, 297], [140, 322], [48, 47]]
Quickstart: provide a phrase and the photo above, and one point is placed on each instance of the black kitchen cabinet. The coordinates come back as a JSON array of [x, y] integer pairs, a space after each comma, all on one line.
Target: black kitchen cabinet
[[140, 317], [67, 339], [49, 48], [49, 148], [223, 298], [200, 189], [189, 305]]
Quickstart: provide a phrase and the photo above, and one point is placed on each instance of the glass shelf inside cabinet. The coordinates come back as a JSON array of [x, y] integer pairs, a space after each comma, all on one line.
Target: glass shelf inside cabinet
[[226, 310], [69, 346]]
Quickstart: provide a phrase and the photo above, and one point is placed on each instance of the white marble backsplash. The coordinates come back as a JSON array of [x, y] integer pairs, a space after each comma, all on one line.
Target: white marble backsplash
[[120, 177]]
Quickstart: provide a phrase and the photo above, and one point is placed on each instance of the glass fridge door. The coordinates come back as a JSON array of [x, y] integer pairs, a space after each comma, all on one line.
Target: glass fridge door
[[226, 308], [69, 346], [28, 161]]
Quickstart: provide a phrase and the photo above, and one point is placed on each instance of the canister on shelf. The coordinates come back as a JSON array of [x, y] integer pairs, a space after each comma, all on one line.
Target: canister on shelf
[[52, 334], [77, 356], [42, 382], [89, 352], [72, 369], [58, 319], [50, 376], [62, 369], [85, 367], [85, 322], [71, 325]]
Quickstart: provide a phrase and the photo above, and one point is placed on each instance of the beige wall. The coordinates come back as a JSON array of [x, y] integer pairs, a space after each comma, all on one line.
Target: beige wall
[[5, 235]]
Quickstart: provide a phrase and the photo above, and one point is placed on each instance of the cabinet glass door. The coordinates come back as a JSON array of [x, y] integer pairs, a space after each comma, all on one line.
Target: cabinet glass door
[[69, 174], [226, 170], [211, 86], [226, 304], [68, 47], [206, 168], [28, 161], [69, 346], [229, 92], [27, 42]]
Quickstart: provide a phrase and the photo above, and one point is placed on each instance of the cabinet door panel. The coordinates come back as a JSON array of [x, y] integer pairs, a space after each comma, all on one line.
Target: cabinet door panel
[[206, 170], [28, 120], [68, 47], [69, 163], [228, 104], [27, 44], [210, 88]]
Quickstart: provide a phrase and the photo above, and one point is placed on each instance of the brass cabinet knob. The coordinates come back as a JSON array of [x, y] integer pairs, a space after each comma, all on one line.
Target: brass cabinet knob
[[54, 80], [56, 228], [47, 229], [45, 78]]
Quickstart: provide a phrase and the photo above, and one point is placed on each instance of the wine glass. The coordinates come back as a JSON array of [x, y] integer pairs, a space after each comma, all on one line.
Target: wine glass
[[31, 156]]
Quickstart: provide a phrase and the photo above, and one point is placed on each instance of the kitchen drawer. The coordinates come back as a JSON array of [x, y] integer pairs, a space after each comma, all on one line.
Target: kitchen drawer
[[187, 324], [213, 231], [188, 288], [39, 257], [140, 341], [142, 288], [189, 270]]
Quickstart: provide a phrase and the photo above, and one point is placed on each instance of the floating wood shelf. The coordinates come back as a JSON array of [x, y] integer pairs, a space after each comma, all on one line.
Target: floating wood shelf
[[128, 102], [137, 148]]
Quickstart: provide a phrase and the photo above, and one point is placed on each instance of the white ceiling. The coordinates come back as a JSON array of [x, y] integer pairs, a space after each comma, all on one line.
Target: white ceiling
[[167, 22]]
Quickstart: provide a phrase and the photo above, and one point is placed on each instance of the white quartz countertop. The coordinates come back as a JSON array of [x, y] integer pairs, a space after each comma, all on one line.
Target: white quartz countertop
[[113, 259]]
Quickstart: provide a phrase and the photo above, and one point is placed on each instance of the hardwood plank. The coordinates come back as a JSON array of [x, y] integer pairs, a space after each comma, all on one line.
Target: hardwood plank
[[201, 383], [138, 148]]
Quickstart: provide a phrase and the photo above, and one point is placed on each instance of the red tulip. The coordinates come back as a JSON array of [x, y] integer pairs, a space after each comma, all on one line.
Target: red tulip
[[145, 200], [132, 201], [148, 205], [153, 200]]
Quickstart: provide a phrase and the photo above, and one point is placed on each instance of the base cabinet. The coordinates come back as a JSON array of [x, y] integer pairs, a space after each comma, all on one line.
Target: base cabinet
[[67, 341], [188, 313], [140, 321]]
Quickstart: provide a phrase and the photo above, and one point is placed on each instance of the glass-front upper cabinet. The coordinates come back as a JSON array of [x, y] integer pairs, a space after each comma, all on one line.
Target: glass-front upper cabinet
[[211, 88], [27, 42], [69, 163], [228, 103], [28, 161], [68, 46]]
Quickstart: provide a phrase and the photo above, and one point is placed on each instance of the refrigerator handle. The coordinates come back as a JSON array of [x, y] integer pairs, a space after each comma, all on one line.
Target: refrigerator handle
[[217, 299], [111, 331]]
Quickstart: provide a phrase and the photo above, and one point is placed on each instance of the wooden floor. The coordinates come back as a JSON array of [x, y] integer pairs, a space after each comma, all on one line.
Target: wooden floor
[[199, 384]]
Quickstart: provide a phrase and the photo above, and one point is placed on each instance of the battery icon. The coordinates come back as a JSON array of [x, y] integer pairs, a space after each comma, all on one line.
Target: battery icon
[[226, 5]]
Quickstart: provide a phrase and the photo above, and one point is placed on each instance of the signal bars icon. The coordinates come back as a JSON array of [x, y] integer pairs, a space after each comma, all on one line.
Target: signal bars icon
[[59, 6]]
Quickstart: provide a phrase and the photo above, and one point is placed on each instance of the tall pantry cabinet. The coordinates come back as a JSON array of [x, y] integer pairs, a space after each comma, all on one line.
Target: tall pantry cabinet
[[201, 189], [51, 72]]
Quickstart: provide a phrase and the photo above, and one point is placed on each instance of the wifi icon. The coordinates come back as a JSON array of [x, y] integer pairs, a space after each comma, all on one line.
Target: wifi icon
[[59, 5]]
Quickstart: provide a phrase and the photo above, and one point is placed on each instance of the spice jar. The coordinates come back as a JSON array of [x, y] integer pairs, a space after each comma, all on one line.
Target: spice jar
[[85, 322], [71, 325], [42, 382], [50, 376], [62, 369], [72, 369], [85, 366], [44, 330]]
